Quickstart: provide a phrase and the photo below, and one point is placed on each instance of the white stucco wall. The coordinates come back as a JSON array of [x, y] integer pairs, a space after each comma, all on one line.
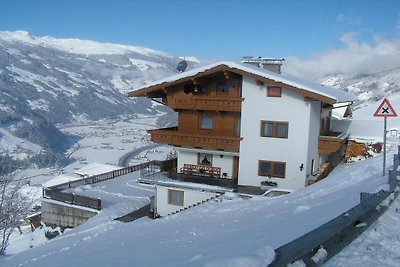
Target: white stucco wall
[[190, 198], [314, 128], [225, 163], [292, 108]]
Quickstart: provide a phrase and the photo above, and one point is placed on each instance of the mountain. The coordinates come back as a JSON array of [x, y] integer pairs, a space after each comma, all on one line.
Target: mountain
[[45, 81], [369, 88]]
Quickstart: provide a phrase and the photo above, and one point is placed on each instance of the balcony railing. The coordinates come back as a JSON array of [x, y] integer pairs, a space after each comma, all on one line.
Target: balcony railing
[[207, 103], [171, 136], [201, 170], [331, 142]]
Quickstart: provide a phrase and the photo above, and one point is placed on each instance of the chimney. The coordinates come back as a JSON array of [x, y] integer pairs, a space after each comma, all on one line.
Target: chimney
[[271, 64]]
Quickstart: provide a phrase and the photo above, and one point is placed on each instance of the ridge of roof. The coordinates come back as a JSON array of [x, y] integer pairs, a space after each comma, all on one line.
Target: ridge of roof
[[313, 87]]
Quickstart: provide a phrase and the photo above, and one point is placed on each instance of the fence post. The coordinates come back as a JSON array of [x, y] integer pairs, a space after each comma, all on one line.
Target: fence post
[[364, 196], [398, 151], [99, 204], [392, 181]]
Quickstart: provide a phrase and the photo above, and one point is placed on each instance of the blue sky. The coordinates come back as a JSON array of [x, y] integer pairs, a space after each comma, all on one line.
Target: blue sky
[[209, 30]]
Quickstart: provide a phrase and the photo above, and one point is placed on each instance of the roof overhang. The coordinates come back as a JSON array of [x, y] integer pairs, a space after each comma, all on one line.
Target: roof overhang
[[160, 88]]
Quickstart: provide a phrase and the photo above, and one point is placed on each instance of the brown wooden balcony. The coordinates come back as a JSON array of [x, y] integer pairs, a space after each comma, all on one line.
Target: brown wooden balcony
[[215, 103], [201, 170], [171, 136], [331, 142]]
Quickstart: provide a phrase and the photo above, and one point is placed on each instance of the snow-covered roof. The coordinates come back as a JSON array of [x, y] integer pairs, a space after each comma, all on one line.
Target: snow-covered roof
[[308, 88], [61, 179], [96, 168]]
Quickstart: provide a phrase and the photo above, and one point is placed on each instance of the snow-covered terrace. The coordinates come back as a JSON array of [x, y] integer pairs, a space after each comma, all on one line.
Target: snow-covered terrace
[[121, 194]]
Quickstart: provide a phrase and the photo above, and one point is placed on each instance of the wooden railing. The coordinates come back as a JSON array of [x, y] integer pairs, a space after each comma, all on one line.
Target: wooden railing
[[171, 136], [55, 192], [331, 142], [216, 103], [71, 198], [201, 170]]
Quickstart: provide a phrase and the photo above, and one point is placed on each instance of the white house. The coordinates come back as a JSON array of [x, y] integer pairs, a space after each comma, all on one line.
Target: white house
[[248, 123]]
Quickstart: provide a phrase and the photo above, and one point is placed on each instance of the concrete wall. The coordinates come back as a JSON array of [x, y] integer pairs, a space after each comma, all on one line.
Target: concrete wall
[[190, 197], [64, 215], [292, 108]]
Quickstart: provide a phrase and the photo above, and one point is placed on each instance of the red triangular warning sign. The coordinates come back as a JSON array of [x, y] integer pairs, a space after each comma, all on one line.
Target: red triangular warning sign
[[385, 110]]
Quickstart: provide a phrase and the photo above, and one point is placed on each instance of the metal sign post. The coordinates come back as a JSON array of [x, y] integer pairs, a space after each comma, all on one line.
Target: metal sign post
[[384, 144], [385, 110]]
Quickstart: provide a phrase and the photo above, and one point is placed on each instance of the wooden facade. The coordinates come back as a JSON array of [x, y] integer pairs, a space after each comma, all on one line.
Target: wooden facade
[[331, 142], [216, 99], [172, 136]]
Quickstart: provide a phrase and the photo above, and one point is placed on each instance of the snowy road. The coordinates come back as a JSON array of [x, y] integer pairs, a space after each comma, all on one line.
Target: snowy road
[[124, 160]]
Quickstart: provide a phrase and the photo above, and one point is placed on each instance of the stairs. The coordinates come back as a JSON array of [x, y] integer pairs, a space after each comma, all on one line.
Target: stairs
[[215, 198], [323, 171], [139, 213]]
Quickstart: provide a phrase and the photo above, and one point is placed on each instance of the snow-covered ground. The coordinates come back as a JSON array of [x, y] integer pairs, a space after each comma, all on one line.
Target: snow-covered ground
[[378, 246], [234, 232]]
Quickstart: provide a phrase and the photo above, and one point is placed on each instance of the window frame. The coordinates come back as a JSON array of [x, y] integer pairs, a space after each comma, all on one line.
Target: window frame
[[199, 159], [201, 122], [272, 167], [170, 199], [274, 129], [270, 92]]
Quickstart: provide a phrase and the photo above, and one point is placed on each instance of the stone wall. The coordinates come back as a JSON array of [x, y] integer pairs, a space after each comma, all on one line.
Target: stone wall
[[64, 215]]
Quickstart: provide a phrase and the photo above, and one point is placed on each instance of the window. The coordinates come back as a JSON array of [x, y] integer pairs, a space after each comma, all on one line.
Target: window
[[205, 159], [206, 122], [271, 168], [273, 91], [175, 197], [274, 129], [223, 88]]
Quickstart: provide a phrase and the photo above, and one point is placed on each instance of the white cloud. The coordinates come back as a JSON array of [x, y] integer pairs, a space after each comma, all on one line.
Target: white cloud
[[356, 58], [347, 19]]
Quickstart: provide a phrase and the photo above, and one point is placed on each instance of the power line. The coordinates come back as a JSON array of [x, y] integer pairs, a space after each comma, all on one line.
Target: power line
[[383, 71]]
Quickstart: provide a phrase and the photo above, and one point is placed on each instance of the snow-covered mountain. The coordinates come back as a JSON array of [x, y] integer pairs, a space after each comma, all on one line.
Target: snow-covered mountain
[[45, 81], [369, 88]]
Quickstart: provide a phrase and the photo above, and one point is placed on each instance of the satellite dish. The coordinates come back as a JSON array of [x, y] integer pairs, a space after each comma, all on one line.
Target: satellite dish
[[182, 66]]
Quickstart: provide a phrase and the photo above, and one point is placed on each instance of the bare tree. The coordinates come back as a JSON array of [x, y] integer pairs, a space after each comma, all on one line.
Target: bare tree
[[14, 207]]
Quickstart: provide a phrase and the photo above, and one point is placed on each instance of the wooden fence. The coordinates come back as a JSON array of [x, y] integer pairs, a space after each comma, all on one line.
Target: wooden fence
[[71, 198], [55, 192]]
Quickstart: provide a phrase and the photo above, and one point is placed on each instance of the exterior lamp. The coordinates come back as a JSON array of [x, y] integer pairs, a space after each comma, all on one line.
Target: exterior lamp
[[301, 167]]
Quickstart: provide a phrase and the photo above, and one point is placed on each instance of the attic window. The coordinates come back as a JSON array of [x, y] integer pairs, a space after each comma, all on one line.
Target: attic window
[[273, 91]]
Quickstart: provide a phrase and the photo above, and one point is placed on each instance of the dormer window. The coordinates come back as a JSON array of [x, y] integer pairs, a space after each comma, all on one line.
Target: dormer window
[[273, 91]]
